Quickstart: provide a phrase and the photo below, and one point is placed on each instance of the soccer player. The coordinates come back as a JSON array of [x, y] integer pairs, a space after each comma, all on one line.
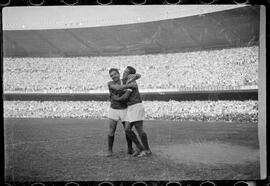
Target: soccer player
[[135, 110], [118, 111]]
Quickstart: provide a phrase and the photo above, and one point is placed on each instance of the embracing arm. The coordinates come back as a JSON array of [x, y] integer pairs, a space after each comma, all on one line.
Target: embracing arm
[[133, 77], [121, 98], [129, 84]]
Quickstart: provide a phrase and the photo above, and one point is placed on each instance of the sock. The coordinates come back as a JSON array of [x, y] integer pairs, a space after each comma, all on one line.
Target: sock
[[129, 143], [145, 140], [135, 140], [110, 142]]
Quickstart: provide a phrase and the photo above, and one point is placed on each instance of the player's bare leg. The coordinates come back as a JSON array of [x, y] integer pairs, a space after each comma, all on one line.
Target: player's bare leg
[[139, 128], [129, 141], [134, 139], [112, 128]]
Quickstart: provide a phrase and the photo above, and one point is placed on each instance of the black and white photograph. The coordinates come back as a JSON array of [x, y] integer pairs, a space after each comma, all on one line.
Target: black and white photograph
[[131, 93]]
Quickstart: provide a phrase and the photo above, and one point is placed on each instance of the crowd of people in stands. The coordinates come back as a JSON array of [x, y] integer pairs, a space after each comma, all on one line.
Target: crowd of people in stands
[[216, 111], [230, 68]]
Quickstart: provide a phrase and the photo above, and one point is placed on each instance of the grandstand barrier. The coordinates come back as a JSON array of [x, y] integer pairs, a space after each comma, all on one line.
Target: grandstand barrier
[[240, 94]]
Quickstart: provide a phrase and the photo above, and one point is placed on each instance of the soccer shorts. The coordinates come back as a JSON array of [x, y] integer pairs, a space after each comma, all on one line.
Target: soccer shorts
[[135, 112], [117, 114]]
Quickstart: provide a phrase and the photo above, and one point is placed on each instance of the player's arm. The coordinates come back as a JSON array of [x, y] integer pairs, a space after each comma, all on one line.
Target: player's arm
[[133, 77], [112, 86], [109, 84], [110, 90], [124, 97], [131, 85]]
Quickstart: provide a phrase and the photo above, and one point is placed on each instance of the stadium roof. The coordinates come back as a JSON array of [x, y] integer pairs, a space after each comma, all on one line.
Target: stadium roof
[[61, 17], [136, 32]]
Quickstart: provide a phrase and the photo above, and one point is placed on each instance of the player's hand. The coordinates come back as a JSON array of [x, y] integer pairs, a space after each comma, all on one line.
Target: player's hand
[[133, 77], [129, 81], [114, 97]]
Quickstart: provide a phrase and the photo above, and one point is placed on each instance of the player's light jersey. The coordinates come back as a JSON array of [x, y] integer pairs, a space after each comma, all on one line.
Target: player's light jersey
[[117, 104]]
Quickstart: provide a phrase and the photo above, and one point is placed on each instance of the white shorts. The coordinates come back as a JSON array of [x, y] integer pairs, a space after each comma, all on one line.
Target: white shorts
[[135, 112], [117, 114]]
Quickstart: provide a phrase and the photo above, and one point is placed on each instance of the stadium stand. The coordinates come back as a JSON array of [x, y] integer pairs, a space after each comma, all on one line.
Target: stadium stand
[[225, 69], [221, 111], [219, 69]]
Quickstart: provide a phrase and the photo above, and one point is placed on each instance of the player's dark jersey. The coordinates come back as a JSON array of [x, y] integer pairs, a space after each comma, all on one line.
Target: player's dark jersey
[[117, 104], [134, 97]]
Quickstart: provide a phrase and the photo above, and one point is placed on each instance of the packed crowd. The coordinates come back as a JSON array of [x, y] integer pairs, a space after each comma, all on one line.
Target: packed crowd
[[210, 69], [224, 111]]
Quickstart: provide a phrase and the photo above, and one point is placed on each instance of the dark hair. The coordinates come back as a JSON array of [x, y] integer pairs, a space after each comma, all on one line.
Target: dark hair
[[113, 69], [131, 70]]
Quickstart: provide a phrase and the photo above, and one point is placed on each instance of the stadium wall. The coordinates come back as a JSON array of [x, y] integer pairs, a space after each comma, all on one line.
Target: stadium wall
[[245, 94]]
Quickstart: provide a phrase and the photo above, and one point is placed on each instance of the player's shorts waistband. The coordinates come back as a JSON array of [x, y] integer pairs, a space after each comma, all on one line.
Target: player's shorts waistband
[[135, 105]]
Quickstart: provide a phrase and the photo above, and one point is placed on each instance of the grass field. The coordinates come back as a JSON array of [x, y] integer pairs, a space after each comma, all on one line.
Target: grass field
[[73, 149]]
